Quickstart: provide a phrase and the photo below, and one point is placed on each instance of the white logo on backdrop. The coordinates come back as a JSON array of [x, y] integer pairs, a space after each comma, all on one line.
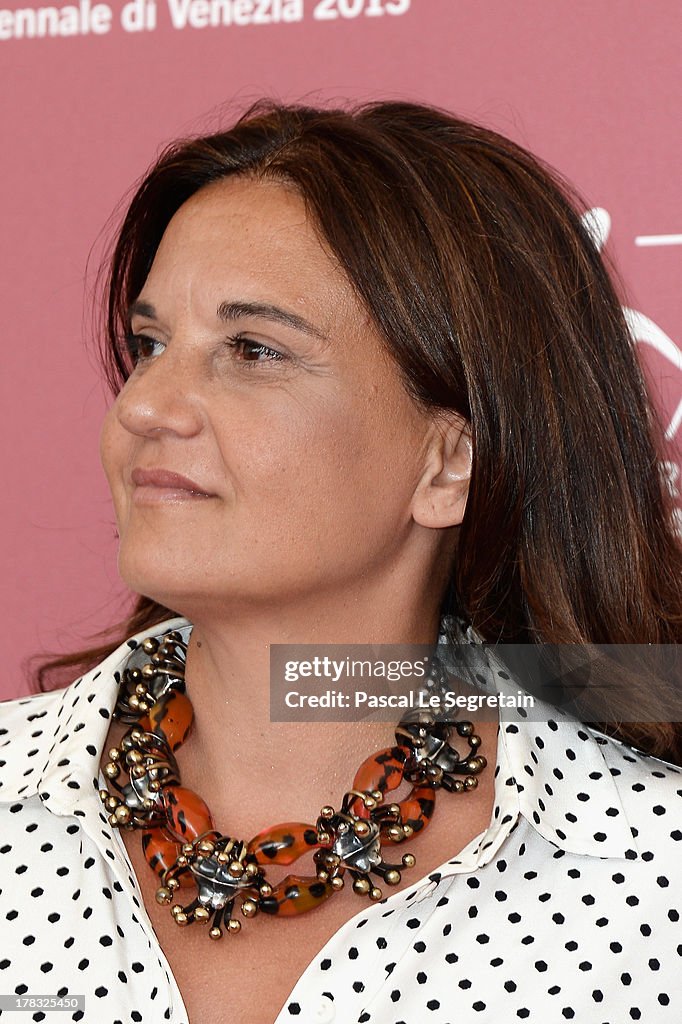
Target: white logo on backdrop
[[645, 332]]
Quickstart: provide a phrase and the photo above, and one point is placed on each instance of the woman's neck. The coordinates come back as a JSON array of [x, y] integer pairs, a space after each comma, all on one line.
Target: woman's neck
[[234, 748]]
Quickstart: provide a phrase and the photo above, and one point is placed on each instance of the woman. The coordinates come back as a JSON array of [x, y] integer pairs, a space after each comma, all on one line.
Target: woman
[[373, 384]]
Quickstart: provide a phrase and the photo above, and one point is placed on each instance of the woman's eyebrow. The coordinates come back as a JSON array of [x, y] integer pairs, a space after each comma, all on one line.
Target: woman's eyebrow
[[266, 311], [237, 310], [141, 308]]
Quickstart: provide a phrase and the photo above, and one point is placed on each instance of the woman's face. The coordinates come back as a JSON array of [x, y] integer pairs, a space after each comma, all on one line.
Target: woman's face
[[260, 382]]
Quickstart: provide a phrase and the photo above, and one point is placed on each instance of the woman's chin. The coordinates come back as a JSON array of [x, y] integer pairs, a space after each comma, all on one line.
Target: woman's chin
[[189, 590]]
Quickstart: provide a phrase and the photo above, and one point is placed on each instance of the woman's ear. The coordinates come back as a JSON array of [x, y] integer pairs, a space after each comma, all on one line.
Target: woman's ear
[[441, 495]]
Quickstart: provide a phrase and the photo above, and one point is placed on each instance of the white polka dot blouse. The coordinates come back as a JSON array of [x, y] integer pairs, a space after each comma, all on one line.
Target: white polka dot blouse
[[566, 908]]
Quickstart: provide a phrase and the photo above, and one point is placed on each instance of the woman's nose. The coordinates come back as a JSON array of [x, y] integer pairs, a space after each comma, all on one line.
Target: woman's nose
[[161, 397]]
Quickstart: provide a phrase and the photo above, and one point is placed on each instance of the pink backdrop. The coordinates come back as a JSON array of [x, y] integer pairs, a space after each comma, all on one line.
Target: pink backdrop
[[592, 88]]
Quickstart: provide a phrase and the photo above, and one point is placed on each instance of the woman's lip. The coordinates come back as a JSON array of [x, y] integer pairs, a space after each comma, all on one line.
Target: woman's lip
[[167, 481]]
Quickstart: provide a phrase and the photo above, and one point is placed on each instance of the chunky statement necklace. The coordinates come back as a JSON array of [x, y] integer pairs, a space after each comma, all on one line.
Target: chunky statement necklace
[[183, 847]]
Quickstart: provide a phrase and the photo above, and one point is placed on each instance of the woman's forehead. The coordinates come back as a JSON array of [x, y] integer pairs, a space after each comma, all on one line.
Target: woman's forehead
[[256, 234]]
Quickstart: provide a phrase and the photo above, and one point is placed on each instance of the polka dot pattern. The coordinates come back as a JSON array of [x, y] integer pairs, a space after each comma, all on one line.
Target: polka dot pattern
[[567, 907]]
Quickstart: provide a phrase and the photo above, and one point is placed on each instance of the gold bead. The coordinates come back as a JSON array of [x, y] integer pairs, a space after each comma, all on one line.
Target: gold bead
[[265, 889], [323, 837], [470, 782], [111, 802], [215, 933], [150, 645], [181, 919], [408, 831], [133, 702], [187, 847], [395, 833], [322, 874], [133, 757], [458, 786], [177, 909], [370, 803], [173, 884], [327, 812], [114, 754], [181, 861], [377, 794], [361, 828], [393, 809], [201, 914], [361, 886], [392, 877], [164, 895], [223, 857], [252, 870], [205, 848], [234, 926], [409, 860], [122, 814], [375, 893], [337, 882], [474, 741], [249, 908], [149, 671], [155, 785], [236, 869]]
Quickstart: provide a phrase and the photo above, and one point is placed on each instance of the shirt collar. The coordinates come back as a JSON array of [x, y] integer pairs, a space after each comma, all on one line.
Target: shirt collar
[[558, 773], [565, 785]]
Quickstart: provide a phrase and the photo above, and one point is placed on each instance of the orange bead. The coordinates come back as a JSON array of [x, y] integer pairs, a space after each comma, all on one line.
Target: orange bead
[[296, 895], [417, 809], [161, 852], [382, 771], [188, 815], [171, 718], [283, 844]]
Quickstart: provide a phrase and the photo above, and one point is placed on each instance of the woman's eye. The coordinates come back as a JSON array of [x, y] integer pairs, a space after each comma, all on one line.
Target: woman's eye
[[249, 351], [141, 347]]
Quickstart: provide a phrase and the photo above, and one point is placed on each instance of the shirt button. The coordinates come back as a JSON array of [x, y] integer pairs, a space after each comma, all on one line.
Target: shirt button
[[325, 1012]]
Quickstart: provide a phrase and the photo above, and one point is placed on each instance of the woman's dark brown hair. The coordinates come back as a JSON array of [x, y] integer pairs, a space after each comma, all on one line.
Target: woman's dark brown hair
[[493, 301]]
